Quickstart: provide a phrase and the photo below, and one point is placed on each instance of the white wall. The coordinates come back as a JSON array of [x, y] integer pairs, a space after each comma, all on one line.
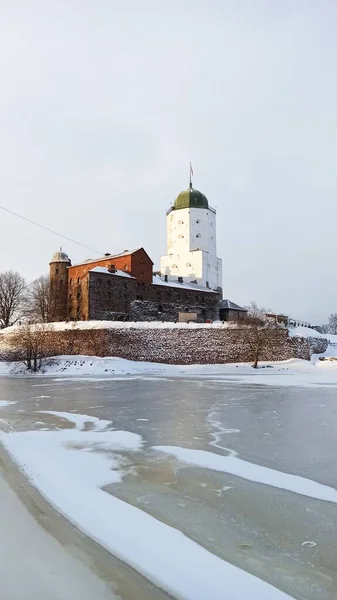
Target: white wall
[[186, 264], [219, 272], [191, 247]]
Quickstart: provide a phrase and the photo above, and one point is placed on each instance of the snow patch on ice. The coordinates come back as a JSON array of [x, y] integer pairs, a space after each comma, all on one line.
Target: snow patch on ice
[[79, 420], [72, 480], [4, 403], [309, 544], [252, 472]]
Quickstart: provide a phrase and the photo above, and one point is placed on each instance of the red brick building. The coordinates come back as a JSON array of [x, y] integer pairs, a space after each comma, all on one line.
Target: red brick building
[[123, 287]]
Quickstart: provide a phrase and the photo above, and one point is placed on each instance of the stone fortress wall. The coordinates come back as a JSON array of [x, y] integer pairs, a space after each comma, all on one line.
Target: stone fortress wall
[[203, 346], [178, 345]]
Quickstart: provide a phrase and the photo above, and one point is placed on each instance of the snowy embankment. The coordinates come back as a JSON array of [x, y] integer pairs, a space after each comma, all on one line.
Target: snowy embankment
[[85, 325], [290, 372], [34, 565], [70, 466], [306, 332], [287, 373]]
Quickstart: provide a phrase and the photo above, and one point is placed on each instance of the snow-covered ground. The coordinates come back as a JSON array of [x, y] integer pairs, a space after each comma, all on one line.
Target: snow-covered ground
[[291, 372], [70, 466], [306, 332], [34, 565], [64, 325], [287, 373]]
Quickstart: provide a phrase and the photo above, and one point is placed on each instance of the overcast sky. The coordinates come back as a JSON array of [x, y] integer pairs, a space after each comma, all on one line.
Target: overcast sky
[[103, 103]]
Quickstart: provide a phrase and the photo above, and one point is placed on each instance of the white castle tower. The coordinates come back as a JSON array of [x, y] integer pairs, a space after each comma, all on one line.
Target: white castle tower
[[191, 241]]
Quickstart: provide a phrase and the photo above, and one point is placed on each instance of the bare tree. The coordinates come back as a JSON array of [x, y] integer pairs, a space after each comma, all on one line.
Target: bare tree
[[333, 323], [38, 300], [31, 344], [12, 291], [259, 331]]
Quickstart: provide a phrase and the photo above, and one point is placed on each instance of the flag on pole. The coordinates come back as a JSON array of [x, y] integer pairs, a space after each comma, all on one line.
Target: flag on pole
[[191, 173]]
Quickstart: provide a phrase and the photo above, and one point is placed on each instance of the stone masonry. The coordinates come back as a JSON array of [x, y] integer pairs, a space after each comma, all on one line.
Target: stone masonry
[[177, 345], [123, 288]]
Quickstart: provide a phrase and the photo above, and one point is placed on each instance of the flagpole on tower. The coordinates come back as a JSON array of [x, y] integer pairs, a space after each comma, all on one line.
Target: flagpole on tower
[[191, 173]]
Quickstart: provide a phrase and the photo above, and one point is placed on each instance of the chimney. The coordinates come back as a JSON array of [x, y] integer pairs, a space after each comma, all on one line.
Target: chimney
[[111, 268], [207, 284], [166, 277], [180, 280]]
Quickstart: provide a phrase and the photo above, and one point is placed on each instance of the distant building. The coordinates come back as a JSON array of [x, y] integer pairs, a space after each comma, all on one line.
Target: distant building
[[191, 241], [123, 287], [278, 319], [229, 311]]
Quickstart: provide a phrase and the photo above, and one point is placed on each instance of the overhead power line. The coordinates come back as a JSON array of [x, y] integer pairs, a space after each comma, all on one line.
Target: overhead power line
[[50, 230]]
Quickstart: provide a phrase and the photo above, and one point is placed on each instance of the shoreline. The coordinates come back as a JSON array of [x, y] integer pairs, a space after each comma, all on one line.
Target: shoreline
[[121, 581], [292, 372]]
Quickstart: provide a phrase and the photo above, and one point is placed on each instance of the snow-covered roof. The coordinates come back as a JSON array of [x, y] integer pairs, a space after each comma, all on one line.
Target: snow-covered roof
[[60, 257], [106, 271], [108, 256], [231, 305], [157, 280]]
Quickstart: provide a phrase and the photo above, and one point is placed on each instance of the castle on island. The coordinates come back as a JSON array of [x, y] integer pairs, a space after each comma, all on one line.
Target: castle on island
[[124, 287]]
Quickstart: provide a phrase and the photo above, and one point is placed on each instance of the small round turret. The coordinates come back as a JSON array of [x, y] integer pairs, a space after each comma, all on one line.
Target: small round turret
[[58, 275], [60, 257]]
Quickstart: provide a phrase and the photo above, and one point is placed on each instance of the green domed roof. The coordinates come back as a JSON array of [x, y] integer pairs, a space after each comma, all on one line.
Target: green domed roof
[[190, 198]]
